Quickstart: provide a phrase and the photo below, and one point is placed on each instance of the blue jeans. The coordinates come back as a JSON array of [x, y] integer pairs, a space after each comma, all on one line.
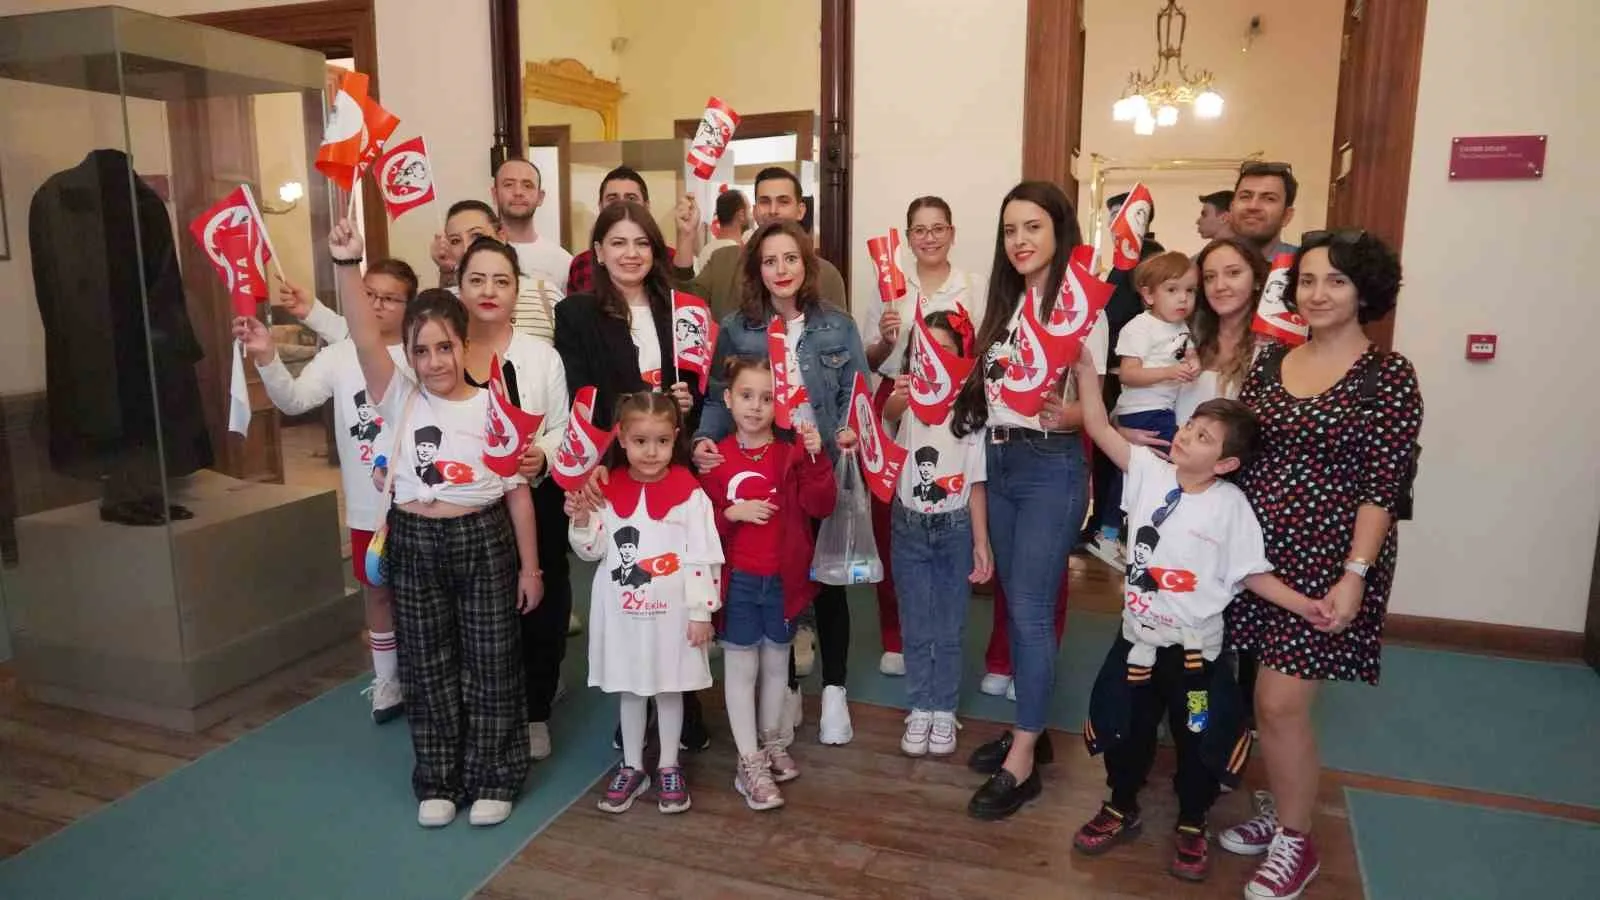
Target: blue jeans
[[1038, 491], [931, 556], [1164, 422]]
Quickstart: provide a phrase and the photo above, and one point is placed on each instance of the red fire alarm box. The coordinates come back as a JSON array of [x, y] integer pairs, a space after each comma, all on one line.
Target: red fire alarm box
[[1481, 346]]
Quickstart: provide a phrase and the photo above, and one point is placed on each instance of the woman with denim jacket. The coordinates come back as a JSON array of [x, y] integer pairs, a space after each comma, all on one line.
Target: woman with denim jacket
[[824, 347], [1037, 476]]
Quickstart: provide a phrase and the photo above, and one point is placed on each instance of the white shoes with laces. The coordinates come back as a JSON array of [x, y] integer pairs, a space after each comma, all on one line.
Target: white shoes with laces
[[834, 726], [942, 734], [915, 741]]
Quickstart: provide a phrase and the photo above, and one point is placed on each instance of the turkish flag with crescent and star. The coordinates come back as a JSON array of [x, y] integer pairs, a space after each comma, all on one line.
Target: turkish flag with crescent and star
[[1130, 226], [885, 252], [1176, 581], [405, 177], [881, 458], [936, 373], [235, 240], [657, 566], [694, 336], [783, 393], [1273, 316], [509, 428], [583, 445]]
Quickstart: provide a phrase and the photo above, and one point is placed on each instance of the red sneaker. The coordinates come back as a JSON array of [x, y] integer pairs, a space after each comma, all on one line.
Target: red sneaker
[[1291, 865], [1107, 829], [1191, 859]]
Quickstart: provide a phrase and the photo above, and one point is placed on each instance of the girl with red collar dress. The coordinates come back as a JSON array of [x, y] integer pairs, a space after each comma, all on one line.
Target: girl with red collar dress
[[655, 535]]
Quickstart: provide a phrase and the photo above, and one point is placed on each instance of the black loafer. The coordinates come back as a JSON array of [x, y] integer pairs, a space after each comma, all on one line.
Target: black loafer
[[1001, 795], [695, 736], [988, 758]]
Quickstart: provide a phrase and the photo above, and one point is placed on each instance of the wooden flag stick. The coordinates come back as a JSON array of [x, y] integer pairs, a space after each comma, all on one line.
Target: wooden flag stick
[[266, 236]]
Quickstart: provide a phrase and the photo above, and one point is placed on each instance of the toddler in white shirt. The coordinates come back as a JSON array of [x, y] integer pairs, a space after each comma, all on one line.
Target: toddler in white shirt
[[1156, 350]]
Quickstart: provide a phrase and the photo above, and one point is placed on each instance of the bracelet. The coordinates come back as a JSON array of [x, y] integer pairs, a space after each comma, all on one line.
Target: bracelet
[[347, 262], [537, 573]]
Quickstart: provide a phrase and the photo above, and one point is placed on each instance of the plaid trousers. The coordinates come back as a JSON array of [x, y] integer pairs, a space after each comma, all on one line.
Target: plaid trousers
[[455, 616]]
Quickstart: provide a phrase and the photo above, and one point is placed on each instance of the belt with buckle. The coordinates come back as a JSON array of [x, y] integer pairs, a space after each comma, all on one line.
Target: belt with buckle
[[1005, 434]]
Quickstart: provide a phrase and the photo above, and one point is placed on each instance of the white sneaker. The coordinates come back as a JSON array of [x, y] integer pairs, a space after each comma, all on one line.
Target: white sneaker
[[574, 625], [538, 742], [794, 713], [834, 725], [388, 699], [1108, 551], [1011, 690], [489, 812], [915, 741], [435, 813], [805, 651], [942, 738], [892, 664], [995, 685]]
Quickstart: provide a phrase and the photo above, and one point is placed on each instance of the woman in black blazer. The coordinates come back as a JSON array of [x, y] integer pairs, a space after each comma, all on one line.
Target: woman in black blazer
[[605, 340], [604, 337]]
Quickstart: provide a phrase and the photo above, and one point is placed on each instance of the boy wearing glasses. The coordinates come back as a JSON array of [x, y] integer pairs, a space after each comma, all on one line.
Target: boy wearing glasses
[[1198, 544]]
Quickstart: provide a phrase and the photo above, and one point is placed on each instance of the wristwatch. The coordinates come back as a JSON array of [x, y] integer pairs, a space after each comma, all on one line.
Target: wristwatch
[[1358, 567]]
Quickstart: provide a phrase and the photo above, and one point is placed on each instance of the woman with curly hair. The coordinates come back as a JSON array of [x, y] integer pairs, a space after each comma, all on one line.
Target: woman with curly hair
[[1339, 422]]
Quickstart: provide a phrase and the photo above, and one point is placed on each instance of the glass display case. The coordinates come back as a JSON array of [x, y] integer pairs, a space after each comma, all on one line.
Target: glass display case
[[155, 566]]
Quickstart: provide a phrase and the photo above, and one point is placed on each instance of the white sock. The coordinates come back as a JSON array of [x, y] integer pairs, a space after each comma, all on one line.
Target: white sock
[[385, 657], [635, 710], [774, 686], [739, 668], [669, 727]]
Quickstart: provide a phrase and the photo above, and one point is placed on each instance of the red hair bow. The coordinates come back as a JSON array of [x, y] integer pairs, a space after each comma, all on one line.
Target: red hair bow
[[962, 325]]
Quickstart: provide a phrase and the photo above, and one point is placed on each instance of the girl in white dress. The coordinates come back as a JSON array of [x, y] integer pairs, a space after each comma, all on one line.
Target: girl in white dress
[[658, 583]]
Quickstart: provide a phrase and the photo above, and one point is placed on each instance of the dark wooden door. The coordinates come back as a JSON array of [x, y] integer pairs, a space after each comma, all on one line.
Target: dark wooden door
[[1380, 65], [1052, 118]]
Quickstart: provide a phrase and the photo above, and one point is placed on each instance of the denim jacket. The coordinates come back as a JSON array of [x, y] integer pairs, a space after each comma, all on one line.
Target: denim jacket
[[830, 355]]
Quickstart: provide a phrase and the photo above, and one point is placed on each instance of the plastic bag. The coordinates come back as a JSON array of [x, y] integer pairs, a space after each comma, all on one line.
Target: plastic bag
[[846, 552]]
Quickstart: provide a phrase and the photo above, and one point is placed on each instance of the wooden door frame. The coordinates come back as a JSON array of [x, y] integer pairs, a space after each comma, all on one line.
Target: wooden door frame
[[1052, 94], [838, 114], [332, 28], [560, 137]]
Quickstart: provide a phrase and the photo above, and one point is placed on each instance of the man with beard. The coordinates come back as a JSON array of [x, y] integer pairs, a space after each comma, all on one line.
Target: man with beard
[[518, 193], [1263, 205]]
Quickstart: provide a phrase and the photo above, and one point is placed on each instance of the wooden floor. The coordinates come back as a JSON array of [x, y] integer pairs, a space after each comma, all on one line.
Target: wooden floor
[[862, 821]]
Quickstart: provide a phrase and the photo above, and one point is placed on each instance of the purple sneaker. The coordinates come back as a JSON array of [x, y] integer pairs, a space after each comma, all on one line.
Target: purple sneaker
[[672, 795], [624, 788]]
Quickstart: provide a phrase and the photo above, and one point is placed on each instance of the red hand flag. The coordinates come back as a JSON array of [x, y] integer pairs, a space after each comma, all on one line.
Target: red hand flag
[[1046, 348], [509, 428], [881, 458], [405, 177], [885, 253], [342, 146], [235, 240], [582, 446], [379, 124], [717, 125], [936, 374], [785, 392], [1024, 381], [694, 335], [1129, 227], [1273, 316]]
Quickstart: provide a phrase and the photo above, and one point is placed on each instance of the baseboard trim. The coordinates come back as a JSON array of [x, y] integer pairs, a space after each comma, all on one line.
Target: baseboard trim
[[1485, 637]]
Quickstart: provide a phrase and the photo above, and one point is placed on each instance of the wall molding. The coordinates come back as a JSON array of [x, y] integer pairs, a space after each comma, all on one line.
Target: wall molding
[[1485, 637]]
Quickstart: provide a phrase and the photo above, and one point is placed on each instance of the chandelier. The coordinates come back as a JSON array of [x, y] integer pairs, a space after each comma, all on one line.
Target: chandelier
[[1153, 100]]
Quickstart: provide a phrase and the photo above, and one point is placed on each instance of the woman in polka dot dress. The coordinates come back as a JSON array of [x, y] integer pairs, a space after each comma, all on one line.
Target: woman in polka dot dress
[[1339, 423]]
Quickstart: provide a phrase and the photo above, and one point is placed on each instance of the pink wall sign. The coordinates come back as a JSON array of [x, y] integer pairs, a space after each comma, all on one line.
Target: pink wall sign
[[1502, 157]]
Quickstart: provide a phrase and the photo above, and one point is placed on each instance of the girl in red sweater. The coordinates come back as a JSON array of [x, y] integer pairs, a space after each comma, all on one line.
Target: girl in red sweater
[[766, 494]]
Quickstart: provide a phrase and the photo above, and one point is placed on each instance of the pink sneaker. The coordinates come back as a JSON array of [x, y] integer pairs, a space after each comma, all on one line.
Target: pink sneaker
[[672, 794], [625, 787], [1252, 838], [1291, 864], [779, 761]]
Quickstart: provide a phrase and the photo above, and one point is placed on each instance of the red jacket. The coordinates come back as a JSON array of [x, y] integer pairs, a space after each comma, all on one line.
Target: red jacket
[[807, 493]]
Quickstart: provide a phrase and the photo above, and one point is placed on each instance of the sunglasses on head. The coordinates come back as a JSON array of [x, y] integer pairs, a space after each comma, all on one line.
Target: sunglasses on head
[[1347, 237], [1266, 168]]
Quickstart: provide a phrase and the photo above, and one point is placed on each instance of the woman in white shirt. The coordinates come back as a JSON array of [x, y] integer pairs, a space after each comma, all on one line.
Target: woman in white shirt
[[941, 287], [1232, 275], [1038, 475], [536, 381], [460, 552]]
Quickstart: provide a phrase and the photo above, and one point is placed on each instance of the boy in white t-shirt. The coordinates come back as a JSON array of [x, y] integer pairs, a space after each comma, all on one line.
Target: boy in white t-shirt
[[1197, 544]]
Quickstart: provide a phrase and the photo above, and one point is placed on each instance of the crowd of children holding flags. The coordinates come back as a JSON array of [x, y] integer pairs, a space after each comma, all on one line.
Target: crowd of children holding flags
[[493, 453]]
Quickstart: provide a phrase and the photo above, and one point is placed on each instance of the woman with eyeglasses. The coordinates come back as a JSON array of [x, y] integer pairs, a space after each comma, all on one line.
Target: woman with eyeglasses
[[940, 287], [1339, 423], [1038, 476]]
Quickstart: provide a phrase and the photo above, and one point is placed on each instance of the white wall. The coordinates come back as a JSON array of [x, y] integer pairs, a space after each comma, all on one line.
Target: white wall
[[1280, 99], [938, 110], [1508, 496]]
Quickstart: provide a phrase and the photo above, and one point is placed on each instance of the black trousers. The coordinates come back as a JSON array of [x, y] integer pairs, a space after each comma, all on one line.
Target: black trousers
[[1165, 694], [455, 615], [544, 631], [833, 636]]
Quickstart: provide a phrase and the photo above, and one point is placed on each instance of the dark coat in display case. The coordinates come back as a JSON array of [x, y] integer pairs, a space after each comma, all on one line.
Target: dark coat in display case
[[120, 353]]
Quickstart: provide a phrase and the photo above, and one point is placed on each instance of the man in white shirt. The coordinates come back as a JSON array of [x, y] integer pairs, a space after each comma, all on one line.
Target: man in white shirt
[[518, 194], [727, 230]]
